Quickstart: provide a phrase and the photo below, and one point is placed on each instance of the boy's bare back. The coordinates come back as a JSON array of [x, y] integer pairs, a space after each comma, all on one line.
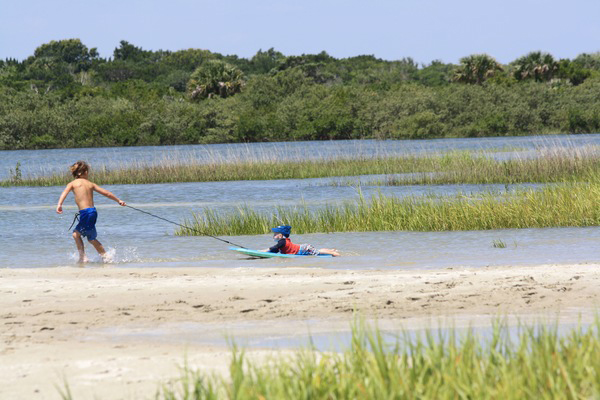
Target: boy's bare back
[[83, 189], [84, 192]]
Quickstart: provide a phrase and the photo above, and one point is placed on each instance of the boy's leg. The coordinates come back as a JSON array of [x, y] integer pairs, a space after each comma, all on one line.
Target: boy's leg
[[99, 248], [333, 252], [79, 244]]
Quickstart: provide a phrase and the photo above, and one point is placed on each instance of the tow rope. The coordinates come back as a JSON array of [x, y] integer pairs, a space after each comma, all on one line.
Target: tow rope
[[74, 219], [185, 227]]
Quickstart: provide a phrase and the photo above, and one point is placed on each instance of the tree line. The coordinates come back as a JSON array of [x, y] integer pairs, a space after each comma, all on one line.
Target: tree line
[[66, 95]]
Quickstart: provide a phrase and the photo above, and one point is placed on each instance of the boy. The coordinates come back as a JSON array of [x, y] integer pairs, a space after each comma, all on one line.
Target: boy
[[83, 190], [285, 245]]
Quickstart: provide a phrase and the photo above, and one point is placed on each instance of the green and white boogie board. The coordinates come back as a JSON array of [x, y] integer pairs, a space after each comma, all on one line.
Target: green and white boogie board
[[268, 254]]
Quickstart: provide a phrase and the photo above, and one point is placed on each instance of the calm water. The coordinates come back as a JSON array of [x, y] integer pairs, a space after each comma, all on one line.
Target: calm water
[[33, 235]]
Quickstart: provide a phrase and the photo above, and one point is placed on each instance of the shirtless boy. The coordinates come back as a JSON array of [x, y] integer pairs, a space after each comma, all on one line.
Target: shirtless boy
[[84, 190]]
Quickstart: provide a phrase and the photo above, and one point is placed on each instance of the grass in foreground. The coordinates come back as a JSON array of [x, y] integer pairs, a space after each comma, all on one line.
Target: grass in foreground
[[538, 363], [570, 204], [552, 165]]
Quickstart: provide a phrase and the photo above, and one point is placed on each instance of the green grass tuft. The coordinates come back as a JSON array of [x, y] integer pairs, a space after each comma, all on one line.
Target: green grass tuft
[[499, 244], [552, 165], [571, 204], [538, 363]]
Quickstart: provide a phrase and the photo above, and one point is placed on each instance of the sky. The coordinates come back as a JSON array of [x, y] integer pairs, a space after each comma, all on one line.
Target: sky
[[425, 30]]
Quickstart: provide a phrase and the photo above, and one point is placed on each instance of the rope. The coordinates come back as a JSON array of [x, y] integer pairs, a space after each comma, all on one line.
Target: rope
[[184, 226], [74, 219]]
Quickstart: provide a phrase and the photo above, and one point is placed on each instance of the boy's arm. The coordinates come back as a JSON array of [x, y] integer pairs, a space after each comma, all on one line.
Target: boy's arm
[[108, 194], [276, 248], [62, 198]]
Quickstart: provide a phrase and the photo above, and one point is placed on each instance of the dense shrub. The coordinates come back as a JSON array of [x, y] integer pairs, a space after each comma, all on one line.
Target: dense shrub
[[66, 96]]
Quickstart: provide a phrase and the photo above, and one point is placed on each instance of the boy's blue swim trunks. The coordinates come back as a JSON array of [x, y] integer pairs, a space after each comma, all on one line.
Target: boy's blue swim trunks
[[87, 223]]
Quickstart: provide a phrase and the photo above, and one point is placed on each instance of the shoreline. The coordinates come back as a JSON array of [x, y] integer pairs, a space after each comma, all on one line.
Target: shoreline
[[117, 333]]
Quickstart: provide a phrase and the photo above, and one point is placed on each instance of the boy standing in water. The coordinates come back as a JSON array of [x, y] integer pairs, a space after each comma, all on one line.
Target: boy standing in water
[[84, 190]]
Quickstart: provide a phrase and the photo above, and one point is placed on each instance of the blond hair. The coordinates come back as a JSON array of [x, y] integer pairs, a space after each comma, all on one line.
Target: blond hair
[[79, 168]]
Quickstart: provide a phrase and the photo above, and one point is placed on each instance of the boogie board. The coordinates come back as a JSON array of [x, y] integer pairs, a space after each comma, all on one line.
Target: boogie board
[[268, 254]]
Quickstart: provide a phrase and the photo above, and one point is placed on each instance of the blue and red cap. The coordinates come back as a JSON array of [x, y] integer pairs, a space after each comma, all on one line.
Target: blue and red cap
[[285, 230]]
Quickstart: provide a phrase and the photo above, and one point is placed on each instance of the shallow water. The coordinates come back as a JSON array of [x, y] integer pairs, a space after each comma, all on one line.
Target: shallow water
[[33, 235], [336, 335]]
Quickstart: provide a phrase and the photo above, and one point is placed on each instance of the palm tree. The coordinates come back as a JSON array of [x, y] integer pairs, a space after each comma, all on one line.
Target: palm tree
[[476, 68], [536, 65], [215, 78]]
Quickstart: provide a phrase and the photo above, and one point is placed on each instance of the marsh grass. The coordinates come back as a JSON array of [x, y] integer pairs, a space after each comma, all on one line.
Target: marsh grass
[[498, 244], [569, 204], [171, 172], [531, 363], [551, 165]]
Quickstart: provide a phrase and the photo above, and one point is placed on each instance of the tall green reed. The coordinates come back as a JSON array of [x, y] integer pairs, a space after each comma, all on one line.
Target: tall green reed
[[569, 204], [551, 165], [535, 362]]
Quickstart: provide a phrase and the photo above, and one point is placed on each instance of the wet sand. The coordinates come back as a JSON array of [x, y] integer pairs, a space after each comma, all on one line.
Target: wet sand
[[67, 323]]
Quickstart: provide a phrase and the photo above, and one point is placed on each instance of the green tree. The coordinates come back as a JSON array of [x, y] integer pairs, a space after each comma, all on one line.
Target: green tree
[[215, 78], [187, 60], [304, 59], [588, 61], [573, 71], [10, 72], [476, 69], [264, 61], [69, 51], [49, 72], [537, 66], [128, 52], [435, 74], [312, 65], [241, 63]]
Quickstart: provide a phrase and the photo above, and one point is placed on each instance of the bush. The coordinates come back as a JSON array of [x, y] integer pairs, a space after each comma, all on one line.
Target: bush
[[140, 99]]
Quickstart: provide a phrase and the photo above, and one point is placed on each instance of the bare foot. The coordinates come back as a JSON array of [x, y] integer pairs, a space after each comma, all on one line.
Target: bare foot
[[332, 252]]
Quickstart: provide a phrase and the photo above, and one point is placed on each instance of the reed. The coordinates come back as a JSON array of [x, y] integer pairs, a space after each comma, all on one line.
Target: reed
[[569, 204], [535, 362], [550, 165], [498, 244], [170, 172]]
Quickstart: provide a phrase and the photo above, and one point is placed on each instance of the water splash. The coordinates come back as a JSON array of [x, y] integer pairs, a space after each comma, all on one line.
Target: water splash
[[112, 256], [130, 255], [109, 256]]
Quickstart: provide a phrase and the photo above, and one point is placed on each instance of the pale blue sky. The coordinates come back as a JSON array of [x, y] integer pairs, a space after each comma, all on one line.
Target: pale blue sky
[[424, 30]]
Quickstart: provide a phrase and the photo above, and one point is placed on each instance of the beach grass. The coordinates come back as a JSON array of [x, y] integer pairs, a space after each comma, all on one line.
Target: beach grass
[[527, 363], [498, 244], [550, 165], [568, 204]]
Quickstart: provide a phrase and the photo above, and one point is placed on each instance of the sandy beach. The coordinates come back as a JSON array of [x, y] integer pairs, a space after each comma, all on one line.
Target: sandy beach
[[113, 333]]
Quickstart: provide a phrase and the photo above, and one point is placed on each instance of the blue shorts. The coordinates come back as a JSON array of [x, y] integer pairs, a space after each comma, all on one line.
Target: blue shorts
[[87, 223], [307, 250]]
